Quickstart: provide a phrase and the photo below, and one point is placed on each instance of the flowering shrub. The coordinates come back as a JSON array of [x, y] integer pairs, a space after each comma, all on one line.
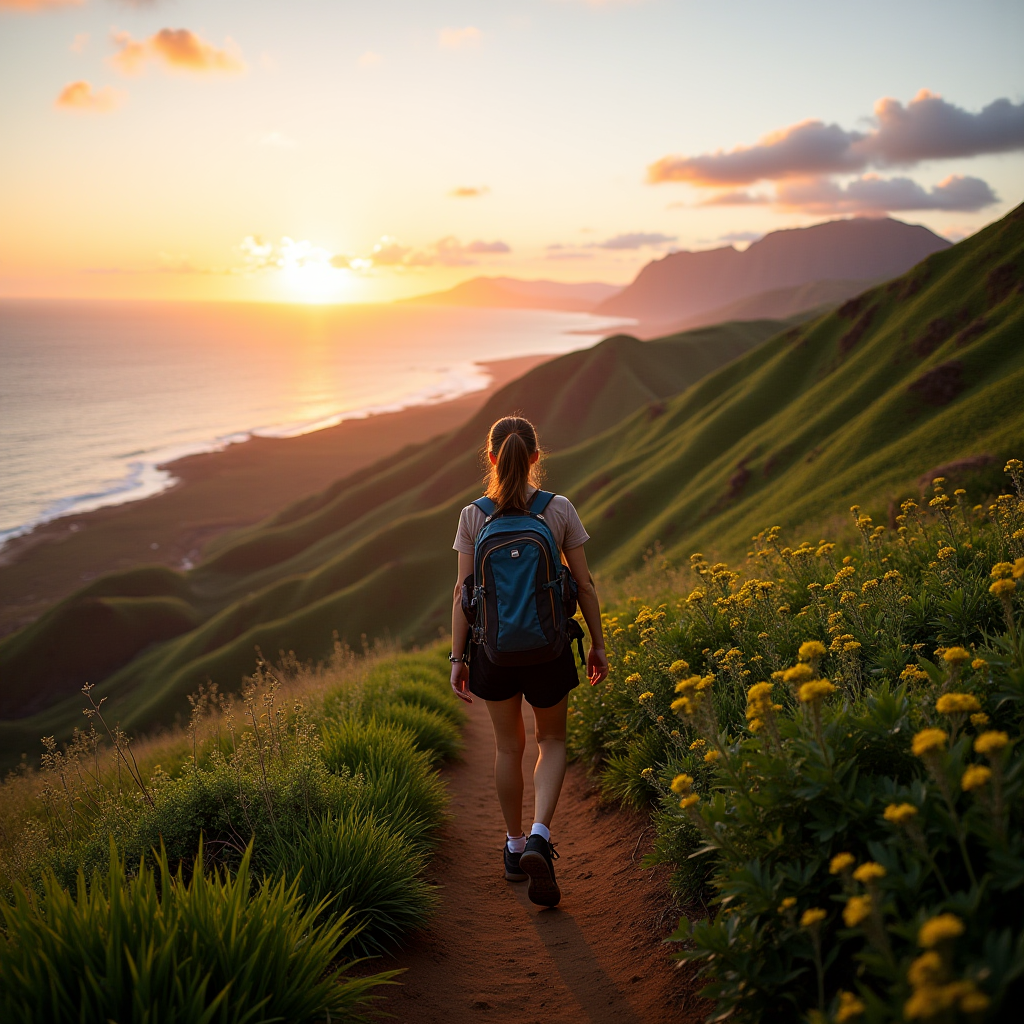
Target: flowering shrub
[[831, 744]]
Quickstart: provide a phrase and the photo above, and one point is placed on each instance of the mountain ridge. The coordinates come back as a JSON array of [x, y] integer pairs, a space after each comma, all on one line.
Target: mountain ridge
[[683, 284], [517, 293]]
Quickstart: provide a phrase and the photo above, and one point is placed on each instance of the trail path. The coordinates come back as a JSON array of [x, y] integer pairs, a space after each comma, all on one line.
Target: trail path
[[491, 955]]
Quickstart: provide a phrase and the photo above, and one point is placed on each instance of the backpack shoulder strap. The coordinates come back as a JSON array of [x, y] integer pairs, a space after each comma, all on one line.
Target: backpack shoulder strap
[[541, 500], [485, 505]]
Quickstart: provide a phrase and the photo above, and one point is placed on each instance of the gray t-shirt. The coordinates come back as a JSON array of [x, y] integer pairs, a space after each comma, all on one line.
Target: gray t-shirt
[[560, 516]]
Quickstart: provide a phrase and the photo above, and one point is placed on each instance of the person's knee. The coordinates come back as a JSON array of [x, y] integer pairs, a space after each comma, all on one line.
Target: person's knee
[[511, 746], [547, 734]]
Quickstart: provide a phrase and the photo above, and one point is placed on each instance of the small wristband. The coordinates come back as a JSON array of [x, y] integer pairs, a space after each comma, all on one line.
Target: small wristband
[[455, 660]]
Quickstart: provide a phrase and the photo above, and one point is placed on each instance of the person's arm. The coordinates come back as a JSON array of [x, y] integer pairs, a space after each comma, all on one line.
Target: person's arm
[[460, 631], [597, 660]]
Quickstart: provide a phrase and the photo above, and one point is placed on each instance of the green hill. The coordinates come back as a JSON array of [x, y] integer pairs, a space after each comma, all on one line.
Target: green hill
[[352, 558], [923, 372]]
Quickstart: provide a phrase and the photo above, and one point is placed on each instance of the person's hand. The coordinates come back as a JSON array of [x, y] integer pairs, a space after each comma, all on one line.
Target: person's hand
[[597, 665], [460, 681]]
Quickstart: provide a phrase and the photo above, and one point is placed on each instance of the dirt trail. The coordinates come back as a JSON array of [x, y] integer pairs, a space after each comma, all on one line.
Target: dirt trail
[[491, 955]]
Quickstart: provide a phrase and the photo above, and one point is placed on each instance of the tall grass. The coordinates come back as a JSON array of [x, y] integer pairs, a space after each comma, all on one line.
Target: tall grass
[[292, 817], [217, 948]]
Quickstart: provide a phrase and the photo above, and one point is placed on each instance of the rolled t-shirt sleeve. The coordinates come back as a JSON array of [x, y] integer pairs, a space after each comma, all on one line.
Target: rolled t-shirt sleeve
[[575, 534], [465, 537]]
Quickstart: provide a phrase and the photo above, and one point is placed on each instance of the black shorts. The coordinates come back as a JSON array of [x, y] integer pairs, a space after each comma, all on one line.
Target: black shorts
[[542, 685]]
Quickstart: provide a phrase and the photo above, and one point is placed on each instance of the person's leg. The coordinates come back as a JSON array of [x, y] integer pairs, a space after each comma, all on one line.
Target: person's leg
[[509, 744], [550, 769]]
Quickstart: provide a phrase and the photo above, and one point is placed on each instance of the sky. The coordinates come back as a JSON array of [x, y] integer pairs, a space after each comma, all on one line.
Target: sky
[[340, 151]]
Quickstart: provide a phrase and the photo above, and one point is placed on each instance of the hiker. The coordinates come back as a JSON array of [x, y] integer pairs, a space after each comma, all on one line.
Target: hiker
[[522, 569]]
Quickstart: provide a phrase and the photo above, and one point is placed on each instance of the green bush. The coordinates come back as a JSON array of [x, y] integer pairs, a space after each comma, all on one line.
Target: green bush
[[397, 784], [201, 951], [433, 734], [426, 696], [359, 865], [860, 837]]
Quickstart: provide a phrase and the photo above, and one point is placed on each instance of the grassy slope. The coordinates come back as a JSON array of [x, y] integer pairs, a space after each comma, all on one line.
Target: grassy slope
[[914, 374], [850, 406], [367, 555]]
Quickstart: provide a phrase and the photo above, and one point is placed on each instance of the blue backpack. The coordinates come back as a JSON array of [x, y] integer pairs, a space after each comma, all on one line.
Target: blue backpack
[[521, 599]]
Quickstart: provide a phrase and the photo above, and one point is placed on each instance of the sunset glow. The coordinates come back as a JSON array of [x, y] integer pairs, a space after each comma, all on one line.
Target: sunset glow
[[400, 148]]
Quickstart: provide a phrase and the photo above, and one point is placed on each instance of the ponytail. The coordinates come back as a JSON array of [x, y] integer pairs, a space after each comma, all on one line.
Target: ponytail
[[513, 441]]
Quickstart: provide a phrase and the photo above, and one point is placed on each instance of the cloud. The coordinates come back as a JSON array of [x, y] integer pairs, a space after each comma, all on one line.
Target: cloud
[[457, 38], [927, 128], [634, 240], [872, 194], [556, 252], [449, 252], [82, 97], [469, 192], [369, 59], [175, 48], [36, 5], [740, 236]]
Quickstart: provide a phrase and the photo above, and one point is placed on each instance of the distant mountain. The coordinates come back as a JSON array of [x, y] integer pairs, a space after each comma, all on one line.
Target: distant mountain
[[511, 293], [684, 284], [801, 300]]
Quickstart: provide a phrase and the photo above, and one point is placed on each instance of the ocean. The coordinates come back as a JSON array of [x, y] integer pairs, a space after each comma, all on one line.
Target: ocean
[[95, 396]]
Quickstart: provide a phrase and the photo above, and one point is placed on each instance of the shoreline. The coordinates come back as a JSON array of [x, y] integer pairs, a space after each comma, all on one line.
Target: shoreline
[[215, 492]]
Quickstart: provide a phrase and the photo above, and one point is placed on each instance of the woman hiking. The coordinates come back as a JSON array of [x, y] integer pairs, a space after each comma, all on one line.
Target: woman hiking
[[517, 547]]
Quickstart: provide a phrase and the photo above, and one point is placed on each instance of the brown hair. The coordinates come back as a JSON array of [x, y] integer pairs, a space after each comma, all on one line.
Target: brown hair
[[513, 440]]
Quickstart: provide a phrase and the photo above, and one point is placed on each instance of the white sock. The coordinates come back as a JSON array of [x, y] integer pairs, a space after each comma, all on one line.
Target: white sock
[[515, 844], [540, 829]]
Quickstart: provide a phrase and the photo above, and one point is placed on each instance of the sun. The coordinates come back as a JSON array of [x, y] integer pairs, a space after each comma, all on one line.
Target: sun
[[308, 274]]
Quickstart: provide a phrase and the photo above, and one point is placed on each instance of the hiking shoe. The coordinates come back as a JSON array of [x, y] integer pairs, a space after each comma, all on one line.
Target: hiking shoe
[[513, 872], [536, 862]]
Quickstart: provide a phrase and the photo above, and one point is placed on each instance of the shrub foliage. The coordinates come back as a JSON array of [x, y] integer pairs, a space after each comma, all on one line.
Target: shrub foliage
[[831, 744]]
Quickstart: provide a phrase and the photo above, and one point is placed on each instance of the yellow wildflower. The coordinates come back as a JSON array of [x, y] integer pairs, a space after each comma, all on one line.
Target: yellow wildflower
[[850, 1008], [815, 690], [812, 916], [927, 741], [1002, 570], [787, 904], [711, 756], [1002, 588], [634, 679], [686, 685], [956, 655], [978, 664], [925, 970], [644, 697], [947, 552], [974, 1002], [1018, 569], [811, 650], [957, 703], [857, 909], [913, 674], [841, 862], [679, 668], [870, 871], [697, 744], [991, 742], [899, 814], [759, 691], [939, 929], [980, 720], [681, 704], [648, 774], [798, 674], [689, 801], [755, 725], [682, 784], [976, 776]]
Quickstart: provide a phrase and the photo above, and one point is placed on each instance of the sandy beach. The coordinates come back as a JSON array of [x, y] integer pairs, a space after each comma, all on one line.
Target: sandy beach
[[214, 493]]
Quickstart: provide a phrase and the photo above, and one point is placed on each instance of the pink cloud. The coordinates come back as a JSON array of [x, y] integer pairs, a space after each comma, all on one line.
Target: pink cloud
[[176, 48], [82, 97], [927, 128]]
